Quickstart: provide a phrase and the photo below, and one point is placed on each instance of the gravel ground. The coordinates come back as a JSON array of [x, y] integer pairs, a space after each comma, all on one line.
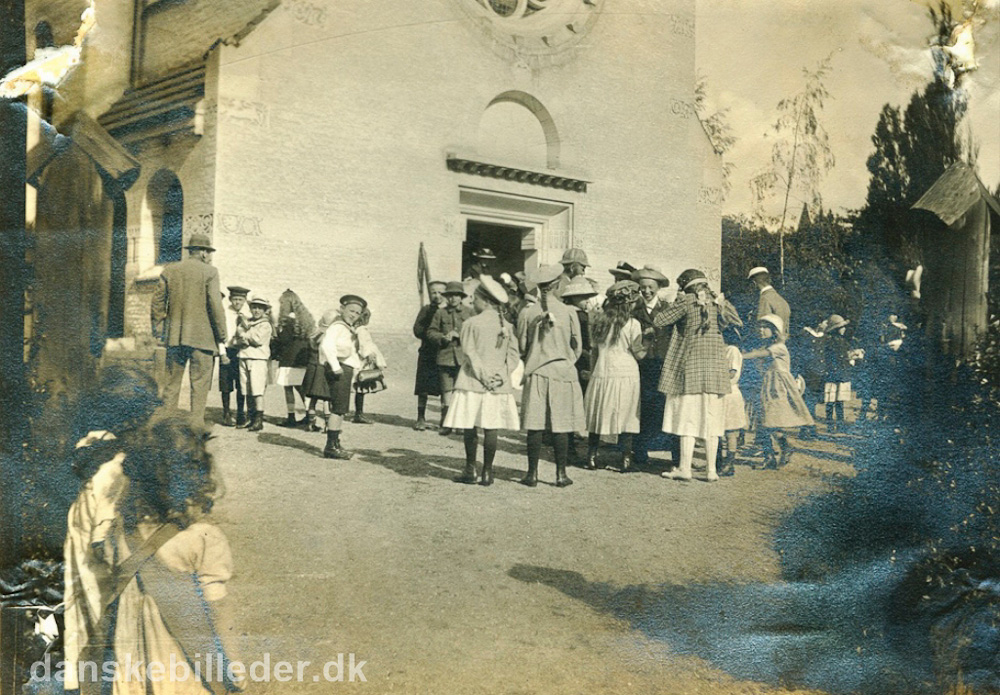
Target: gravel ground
[[448, 588]]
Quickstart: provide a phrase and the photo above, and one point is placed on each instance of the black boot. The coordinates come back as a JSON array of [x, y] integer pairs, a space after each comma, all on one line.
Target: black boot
[[227, 418], [531, 479], [333, 450], [468, 476], [562, 480], [487, 474], [628, 465], [258, 422], [592, 458], [290, 421], [241, 420]]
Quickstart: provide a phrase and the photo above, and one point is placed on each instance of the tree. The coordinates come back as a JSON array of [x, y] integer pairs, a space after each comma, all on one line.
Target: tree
[[718, 129], [801, 154]]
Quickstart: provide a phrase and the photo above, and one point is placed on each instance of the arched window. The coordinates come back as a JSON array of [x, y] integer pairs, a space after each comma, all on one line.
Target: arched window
[[516, 128], [165, 216]]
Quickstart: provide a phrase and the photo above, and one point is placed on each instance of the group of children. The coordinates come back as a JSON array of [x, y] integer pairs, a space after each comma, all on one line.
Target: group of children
[[284, 351]]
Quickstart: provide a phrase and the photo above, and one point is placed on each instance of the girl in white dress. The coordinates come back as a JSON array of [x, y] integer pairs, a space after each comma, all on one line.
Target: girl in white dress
[[484, 395], [612, 399]]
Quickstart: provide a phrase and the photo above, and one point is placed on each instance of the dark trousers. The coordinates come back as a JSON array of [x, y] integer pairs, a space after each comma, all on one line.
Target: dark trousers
[[201, 362]]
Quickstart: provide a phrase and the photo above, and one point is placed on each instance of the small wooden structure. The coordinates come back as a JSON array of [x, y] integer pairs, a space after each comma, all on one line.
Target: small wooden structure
[[956, 253]]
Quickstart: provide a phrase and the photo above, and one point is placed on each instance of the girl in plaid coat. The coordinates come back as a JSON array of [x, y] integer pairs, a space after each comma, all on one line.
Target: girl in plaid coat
[[696, 371]]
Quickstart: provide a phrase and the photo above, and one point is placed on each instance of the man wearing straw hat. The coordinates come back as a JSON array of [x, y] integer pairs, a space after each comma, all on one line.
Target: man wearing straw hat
[[187, 317]]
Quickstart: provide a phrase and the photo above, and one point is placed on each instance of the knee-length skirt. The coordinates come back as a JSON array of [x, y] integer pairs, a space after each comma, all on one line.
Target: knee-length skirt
[[556, 406], [700, 415], [491, 411], [612, 405], [428, 382], [314, 380]]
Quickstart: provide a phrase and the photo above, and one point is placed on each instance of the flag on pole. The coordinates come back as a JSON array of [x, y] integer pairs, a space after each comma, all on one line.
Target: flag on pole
[[423, 272]]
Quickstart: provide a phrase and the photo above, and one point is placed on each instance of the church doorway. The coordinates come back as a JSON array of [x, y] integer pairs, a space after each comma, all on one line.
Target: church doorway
[[505, 241]]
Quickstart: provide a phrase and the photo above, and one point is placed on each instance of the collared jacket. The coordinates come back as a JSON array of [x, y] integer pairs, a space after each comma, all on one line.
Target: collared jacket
[[550, 349], [254, 341], [771, 302], [696, 361], [187, 306], [657, 344], [446, 320], [339, 346], [489, 348]]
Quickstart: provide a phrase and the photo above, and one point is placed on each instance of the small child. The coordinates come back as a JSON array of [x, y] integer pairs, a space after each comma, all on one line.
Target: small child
[[837, 389], [373, 359], [254, 338], [735, 410], [779, 393], [229, 371]]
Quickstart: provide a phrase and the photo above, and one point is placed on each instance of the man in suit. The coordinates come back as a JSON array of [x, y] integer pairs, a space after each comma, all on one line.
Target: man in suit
[[187, 316], [770, 301]]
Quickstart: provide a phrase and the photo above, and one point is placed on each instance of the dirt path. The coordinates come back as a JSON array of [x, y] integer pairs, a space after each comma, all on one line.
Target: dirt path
[[448, 588]]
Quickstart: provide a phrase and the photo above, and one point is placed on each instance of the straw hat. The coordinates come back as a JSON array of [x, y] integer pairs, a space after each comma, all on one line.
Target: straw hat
[[835, 321], [648, 272], [257, 300], [545, 274], [622, 271], [756, 271], [775, 321], [579, 287], [492, 289], [574, 256]]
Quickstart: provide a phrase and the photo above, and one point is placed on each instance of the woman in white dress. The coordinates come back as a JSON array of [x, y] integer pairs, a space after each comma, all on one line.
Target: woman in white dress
[[612, 399], [484, 395]]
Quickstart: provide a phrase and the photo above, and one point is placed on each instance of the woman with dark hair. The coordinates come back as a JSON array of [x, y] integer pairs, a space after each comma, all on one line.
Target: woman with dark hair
[[291, 349], [484, 396], [612, 400], [339, 353], [172, 568], [696, 371], [549, 336], [108, 416]]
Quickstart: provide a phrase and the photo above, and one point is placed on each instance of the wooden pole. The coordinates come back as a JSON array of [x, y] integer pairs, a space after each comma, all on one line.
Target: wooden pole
[[13, 284]]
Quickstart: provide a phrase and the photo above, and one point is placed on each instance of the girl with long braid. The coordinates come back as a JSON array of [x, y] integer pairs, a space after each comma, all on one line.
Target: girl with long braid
[[484, 395], [549, 336], [612, 400]]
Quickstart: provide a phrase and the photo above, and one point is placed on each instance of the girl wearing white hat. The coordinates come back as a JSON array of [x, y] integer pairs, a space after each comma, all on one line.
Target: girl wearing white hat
[[779, 394], [484, 395]]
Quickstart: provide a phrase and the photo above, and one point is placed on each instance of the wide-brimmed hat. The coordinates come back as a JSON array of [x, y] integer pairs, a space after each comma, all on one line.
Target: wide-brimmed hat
[[835, 321], [757, 271], [237, 291], [623, 289], [259, 301], [622, 271], [775, 321], [454, 287], [484, 253], [492, 289], [648, 272], [199, 241], [571, 256], [690, 277], [353, 299], [579, 287], [545, 274]]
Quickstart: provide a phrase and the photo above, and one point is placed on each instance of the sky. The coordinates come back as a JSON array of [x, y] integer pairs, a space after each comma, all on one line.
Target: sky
[[752, 54]]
